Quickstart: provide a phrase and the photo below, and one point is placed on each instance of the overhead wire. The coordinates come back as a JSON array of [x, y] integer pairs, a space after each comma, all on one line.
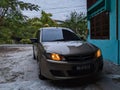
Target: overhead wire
[[74, 7], [63, 7], [65, 11]]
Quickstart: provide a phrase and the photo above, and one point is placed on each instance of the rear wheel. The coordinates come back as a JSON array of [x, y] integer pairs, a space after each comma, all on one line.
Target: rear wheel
[[34, 53]]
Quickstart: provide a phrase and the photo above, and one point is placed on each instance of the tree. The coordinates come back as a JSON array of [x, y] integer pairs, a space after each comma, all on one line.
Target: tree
[[12, 21], [46, 19], [77, 22], [43, 21], [11, 6]]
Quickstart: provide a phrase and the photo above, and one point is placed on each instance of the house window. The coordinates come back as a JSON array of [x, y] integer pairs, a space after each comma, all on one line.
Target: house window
[[100, 26], [90, 3]]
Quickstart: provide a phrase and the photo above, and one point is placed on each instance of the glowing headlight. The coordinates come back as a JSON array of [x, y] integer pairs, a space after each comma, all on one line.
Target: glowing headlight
[[98, 53], [55, 56]]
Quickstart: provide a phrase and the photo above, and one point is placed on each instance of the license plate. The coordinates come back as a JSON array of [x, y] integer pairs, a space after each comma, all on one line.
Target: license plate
[[83, 67]]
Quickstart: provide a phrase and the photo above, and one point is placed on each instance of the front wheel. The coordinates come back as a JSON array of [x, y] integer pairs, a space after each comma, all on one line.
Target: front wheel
[[40, 75]]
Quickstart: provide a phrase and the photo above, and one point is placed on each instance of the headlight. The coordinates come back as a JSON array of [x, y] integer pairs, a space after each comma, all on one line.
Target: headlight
[[98, 53], [55, 56]]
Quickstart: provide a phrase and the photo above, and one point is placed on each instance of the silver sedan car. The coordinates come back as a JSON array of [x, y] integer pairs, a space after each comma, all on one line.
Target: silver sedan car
[[61, 54]]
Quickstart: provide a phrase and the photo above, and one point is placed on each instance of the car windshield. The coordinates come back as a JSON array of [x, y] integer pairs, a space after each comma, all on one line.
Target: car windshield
[[50, 35]]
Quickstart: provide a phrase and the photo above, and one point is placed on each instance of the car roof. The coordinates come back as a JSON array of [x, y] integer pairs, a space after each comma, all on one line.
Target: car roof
[[59, 28]]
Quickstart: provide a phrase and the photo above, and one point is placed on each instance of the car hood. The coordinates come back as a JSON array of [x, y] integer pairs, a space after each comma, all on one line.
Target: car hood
[[69, 47]]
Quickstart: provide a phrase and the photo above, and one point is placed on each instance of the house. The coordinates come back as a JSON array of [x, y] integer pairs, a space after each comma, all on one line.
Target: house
[[104, 27]]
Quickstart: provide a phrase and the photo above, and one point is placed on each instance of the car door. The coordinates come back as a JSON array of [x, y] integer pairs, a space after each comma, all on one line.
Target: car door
[[35, 45]]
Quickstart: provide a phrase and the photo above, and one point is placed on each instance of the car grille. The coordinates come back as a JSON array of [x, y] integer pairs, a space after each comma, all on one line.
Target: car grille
[[80, 57], [82, 70], [79, 70]]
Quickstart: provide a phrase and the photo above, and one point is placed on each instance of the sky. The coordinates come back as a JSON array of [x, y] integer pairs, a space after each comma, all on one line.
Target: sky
[[60, 9]]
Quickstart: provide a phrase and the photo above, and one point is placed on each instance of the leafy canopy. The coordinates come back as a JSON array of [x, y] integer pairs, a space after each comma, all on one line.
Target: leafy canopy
[[11, 6], [12, 21]]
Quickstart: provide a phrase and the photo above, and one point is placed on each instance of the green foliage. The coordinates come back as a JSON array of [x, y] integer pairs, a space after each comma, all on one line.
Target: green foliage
[[8, 7], [25, 41], [46, 20], [13, 24], [15, 27], [5, 35], [18, 30]]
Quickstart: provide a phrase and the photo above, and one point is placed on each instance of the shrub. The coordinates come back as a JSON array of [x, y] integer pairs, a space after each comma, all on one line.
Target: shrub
[[25, 41]]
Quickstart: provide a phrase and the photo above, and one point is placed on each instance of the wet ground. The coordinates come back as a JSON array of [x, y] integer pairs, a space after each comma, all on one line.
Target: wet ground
[[19, 71]]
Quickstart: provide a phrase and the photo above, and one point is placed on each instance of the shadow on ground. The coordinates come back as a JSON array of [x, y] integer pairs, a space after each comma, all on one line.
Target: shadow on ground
[[74, 83]]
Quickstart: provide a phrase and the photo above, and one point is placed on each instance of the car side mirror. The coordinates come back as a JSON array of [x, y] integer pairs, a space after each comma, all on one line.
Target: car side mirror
[[34, 40]]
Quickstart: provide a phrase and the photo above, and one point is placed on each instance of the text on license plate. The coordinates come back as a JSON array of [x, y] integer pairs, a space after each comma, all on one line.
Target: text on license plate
[[83, 67]]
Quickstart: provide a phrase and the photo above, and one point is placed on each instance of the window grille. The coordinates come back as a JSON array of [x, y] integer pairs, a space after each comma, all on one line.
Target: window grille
[[99, 26]]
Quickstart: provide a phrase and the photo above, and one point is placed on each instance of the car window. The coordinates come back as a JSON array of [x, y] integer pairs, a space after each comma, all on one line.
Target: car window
[[49, 35]]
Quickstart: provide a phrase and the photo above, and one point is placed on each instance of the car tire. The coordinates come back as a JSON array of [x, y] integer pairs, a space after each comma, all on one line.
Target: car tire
[[40, 75], [34, 54]]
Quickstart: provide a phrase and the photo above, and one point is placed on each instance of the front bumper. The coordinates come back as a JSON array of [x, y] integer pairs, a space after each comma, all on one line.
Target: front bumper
[[56, 70]]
